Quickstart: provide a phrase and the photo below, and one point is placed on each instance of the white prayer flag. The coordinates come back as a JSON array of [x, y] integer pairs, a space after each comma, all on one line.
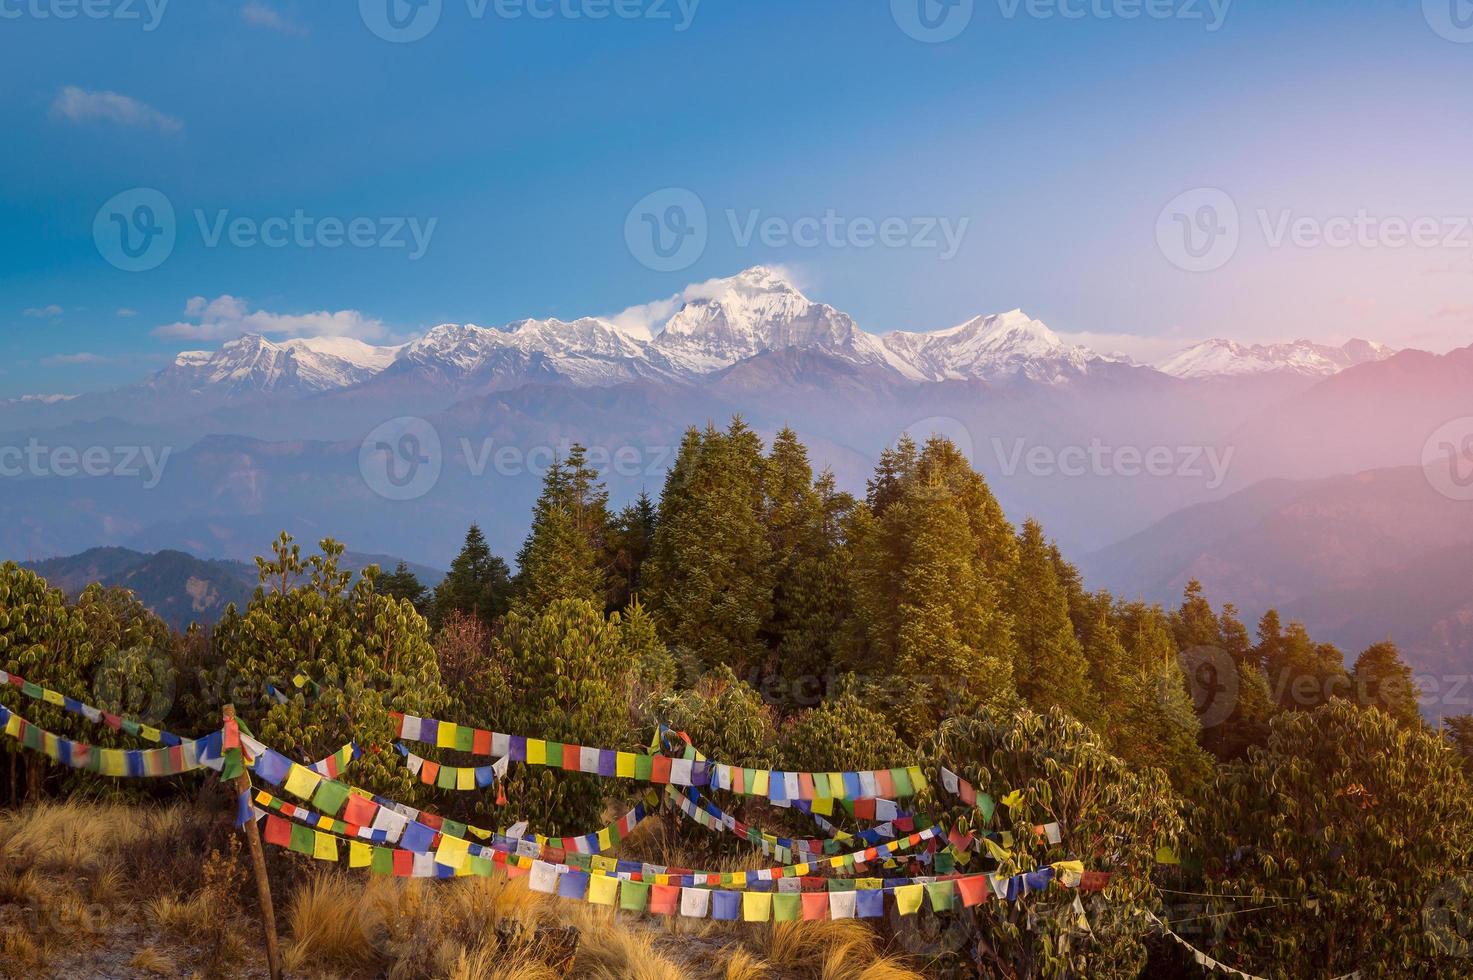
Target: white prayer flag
[[695, 903], [841, 905], [543, 878]]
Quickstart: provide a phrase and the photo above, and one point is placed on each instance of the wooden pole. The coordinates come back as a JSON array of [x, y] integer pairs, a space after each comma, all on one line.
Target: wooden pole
[[258, 862]]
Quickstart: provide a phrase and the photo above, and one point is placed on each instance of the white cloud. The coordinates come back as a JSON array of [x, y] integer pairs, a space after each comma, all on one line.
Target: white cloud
[[44, 311], [260, 15], [83, 106], [81, 357], [226, 317], [124, 311]]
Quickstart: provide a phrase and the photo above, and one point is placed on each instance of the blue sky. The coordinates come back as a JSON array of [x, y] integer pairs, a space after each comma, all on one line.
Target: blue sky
[[1061, 144]]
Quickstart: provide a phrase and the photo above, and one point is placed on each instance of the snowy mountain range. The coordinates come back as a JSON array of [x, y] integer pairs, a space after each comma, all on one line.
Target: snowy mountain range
[[735, 321], [1224, 358]]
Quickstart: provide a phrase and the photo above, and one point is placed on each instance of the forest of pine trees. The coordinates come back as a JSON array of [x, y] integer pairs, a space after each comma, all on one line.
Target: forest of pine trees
[[779, 621]]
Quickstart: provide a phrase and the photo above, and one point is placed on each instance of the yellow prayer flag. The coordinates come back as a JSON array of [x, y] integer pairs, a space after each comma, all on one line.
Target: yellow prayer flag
[[801, 870], [759, 784], [302, 782], [445, 735], [324, 846], [114, 762], [602, 889], [605, 839], [52, 697], [756, 906], [662, 879], [465, 778], [360, 855], [624, 765], [602, 862], [1165, 855], [151, 734], [452, 852], [908, 898], [917, 778], [823, 805], [836, 785], [837, 862], [12, 727], [537, 752]]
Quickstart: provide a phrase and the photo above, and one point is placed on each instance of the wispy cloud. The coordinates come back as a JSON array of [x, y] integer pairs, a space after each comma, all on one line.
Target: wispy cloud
[[81, 357], [41, 312], [80, 105], [124, 311], [226, 317], [260, 15]]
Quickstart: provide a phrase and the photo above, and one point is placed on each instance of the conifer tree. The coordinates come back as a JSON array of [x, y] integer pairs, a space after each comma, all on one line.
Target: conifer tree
[[1050, 668], [649, 659], [1381, 679], [810, 601], [479, 583], [563, 555], [709, 575], [631, 537], [402, 583]]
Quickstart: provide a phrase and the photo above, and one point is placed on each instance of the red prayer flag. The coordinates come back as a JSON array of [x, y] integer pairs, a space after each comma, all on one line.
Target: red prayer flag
[[815, 905], [885, 784], [481, 742], [403, 863], [360, 810], [660, 770], [572, 756], [278, 831], [665, 899], [973, 890], [864, 809]]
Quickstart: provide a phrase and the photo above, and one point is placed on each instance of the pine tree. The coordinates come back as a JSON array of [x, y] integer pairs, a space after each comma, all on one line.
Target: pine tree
[[1381, 679], [1050, 669], [401, 583], [651, 664], [563, 556], [709, 574], [479, 584], [810, 601], [631, 537]]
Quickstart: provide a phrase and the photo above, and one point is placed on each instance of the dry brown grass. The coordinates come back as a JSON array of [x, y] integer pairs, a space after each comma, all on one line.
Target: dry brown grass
[[150, 959]]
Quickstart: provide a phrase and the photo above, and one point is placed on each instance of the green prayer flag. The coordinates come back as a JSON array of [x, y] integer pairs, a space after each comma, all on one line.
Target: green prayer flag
[[465, 738], [452, 828], [445, 778], [555, 754], [35, 691], [901, 779], [942, 895], [633, 895], [644, 767], [787, 907], [945, 863], [330, 796], [383, 861], [985, 804], [304, 840], [841, 885]]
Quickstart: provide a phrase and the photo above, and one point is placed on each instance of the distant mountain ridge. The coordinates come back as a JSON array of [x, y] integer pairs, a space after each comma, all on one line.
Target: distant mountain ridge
[[180, 588], [1221, 358]]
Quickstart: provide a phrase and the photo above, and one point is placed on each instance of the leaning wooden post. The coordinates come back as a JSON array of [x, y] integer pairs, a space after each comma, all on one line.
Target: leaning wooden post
[[258, 861]]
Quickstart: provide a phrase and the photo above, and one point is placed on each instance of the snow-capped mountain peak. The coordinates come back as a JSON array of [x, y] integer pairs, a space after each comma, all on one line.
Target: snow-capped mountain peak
[[252, 364], [997, 347], [1218, 358]]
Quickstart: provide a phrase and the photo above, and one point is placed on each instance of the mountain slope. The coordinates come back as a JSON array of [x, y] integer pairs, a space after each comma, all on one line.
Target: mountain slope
[[1221, 358]]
